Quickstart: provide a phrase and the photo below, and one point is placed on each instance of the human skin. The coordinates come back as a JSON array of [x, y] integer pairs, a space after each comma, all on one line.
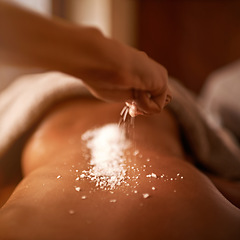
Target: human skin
[[110, 69], [182, 208]]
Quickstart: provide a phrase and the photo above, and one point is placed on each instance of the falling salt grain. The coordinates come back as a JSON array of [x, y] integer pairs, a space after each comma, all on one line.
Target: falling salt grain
[[59, 176], [84, 197], [77, 178], [113, 200], [153, 188], [182, 177], [146, 195]]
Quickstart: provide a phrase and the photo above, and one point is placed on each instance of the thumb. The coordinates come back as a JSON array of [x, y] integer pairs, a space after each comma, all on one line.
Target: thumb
[[149, 104]]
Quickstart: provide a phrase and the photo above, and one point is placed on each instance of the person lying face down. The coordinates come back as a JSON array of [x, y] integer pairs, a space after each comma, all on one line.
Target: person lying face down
[[85, 178]]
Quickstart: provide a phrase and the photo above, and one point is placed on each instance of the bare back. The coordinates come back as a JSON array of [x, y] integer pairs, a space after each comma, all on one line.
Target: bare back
[[162, 195]]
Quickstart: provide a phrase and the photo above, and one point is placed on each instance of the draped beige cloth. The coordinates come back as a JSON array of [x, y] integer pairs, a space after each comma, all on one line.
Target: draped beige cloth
[[25, 100], [213, 146]]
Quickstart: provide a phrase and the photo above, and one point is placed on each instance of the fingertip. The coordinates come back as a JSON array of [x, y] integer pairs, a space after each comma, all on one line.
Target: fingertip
[[167, 100], [147, 104]]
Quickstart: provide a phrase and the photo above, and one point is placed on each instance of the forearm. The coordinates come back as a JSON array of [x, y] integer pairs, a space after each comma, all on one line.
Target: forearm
[[30, 39], [112, 70]]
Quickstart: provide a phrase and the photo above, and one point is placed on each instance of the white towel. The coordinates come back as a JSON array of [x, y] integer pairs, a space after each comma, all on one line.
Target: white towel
[[27, 98]]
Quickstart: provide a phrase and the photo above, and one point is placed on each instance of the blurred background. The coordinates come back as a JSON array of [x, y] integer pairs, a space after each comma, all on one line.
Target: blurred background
[[190, 38]]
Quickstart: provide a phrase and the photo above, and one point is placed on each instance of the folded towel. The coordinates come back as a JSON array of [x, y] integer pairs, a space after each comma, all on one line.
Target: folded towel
[[25, 101], [27, 98]]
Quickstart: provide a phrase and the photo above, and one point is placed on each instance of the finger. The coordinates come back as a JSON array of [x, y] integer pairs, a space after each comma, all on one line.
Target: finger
[[168, 97], [149, 104]]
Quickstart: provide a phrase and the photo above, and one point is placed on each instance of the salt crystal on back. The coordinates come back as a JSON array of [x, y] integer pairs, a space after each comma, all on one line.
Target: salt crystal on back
[[146, 195], [154, 175], [77, 189]]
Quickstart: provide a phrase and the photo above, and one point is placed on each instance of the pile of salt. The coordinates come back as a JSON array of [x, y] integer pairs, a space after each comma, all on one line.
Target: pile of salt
[[107, 164]]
